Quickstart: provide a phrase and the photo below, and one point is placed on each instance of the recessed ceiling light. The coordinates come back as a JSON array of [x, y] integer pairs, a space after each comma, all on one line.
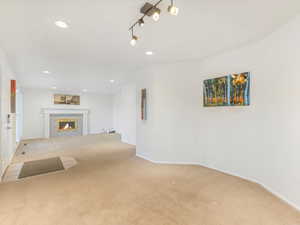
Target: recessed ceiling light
[[84, 90], [112, 81], [149, 53], [61, 24], [46, 72]]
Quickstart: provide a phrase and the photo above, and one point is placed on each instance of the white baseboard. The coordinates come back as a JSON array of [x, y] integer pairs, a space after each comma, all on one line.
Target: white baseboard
[[2, 171], [226, 172]]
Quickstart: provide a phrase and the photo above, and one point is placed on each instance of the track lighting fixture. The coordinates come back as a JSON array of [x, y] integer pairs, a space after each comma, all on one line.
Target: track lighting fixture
[[152, 11], [172, 9], [134, 39]]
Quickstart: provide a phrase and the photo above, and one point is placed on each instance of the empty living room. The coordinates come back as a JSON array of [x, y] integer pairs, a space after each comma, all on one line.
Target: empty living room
[[149, 112]]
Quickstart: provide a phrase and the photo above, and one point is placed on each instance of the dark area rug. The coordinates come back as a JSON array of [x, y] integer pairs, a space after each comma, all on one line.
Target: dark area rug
[[38, 167]]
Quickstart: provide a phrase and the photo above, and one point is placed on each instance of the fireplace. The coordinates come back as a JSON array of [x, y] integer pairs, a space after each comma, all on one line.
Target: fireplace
[[64, 125], [65, 122]]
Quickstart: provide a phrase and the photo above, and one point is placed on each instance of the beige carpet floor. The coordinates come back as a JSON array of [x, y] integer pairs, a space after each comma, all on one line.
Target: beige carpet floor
[[111, 186]]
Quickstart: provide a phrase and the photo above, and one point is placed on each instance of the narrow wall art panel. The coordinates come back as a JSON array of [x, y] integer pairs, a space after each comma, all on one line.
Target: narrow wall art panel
[[61, 99], [231, 90], [13, 92], [144, 104]]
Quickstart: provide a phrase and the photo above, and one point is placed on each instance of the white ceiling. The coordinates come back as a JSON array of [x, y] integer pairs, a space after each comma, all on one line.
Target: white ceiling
[[95, 49]]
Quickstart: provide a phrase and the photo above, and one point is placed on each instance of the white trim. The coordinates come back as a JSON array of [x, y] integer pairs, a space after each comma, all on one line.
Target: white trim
[[2, 175], [226, 172], [47, 112]]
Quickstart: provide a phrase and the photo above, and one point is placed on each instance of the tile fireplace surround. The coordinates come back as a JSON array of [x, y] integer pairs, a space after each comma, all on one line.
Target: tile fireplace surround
[[62, 125], [48, 112]]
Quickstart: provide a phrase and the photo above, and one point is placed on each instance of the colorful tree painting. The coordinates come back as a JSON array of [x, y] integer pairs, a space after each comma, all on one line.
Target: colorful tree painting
[[239, 89], [232, 90], [215, 92]]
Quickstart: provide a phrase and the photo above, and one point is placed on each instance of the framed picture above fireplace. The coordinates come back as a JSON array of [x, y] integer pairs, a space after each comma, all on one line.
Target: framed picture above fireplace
[[62, 99]]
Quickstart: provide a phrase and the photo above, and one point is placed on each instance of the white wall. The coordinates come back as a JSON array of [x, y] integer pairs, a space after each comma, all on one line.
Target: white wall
[[19, 115], [34, 100], [7, 130], [125, 108], [259, 142]]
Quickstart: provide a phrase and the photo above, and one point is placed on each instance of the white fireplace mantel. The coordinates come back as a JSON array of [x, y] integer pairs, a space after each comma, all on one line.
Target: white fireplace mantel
[[48, 111]]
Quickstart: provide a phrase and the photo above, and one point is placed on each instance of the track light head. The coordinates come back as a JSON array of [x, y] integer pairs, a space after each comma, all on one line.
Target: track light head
[[172, 9], [133, 40], [156, 15], [141, 22]]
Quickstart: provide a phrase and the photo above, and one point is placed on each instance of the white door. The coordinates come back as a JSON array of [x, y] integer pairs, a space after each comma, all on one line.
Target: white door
[[7, 125], [1, 125]]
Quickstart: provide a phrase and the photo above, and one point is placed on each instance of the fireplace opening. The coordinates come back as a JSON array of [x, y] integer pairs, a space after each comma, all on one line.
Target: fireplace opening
[[66, 124]]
